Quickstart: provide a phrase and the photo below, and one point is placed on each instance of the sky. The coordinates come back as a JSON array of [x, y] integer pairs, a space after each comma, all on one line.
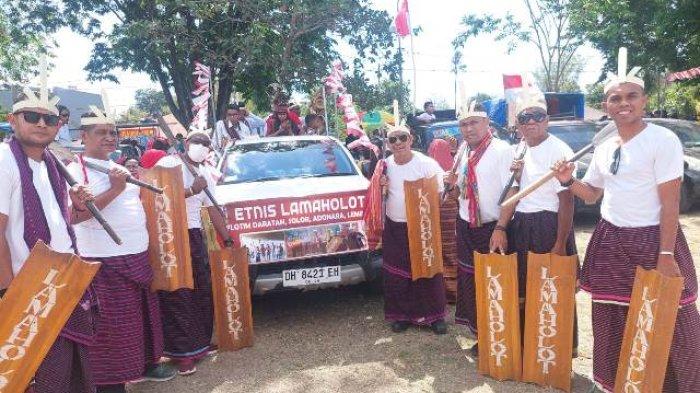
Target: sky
[[485, 60]]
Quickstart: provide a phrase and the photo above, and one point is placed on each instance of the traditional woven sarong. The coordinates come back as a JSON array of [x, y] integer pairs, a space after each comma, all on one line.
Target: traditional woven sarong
[[608, 274], [188, 313], [468, 241], [129, 330], [421, 302], [448, 214], [64, 369]]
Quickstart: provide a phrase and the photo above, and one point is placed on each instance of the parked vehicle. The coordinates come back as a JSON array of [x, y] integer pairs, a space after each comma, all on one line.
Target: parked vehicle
[[297, 204]]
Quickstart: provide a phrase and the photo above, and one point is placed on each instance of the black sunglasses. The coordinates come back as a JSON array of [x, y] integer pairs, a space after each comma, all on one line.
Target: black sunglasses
[[525, 118], [33, 118], [615, 164], [402, 138]]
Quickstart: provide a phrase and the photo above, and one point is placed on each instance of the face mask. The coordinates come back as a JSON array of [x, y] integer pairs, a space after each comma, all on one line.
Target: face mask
[[197, 152]]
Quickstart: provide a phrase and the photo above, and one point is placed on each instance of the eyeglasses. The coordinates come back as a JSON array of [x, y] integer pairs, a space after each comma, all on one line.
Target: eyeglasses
[[33, 118], [525, 118], [615, 164], [394, 139]]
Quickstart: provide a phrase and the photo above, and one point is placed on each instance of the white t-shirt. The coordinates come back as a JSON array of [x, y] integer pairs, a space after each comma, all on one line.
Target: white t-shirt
[[631, 197], [492, 176], [537, 162], [195, 202], [221, 136], [12, 206], [125, 214], [420, 166], [426, 117]]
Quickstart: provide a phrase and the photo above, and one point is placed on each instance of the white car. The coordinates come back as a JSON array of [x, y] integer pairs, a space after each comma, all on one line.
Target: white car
[[297, 204]]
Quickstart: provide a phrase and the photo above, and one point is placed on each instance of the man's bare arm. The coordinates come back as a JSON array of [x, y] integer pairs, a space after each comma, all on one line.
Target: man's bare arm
[[669, 195]]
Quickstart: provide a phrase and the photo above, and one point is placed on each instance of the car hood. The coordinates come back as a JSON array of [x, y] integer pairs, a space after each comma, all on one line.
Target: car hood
[[692, 152], [289, 188]]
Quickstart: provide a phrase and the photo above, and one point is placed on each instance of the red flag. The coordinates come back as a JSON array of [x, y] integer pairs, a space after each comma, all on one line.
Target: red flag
[[512, 81], [401, 20]]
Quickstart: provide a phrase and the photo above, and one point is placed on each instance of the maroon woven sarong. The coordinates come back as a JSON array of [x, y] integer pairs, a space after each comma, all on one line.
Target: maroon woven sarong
[[421, 302], [129, 330], [683, 371], [468, 241], [65, 369], [614, 253], [187, 314]]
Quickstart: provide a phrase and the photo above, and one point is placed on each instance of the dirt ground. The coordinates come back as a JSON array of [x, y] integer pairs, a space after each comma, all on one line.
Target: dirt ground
[[337, 341]]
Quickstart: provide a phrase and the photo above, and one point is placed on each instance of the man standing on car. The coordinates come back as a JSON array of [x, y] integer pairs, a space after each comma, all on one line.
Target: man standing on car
[[483, 173], [406, 302], [428, 116], [232, 128], [639, 177]]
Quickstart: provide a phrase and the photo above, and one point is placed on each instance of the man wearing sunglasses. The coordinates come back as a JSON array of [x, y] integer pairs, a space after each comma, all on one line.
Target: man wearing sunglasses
[[638, 175], [188, 313], [34, 206], [406, 302], [483, 173], [129, 335], [542, 222]]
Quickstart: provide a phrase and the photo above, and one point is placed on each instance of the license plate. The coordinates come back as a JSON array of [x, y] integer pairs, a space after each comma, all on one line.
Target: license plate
[[310, 276]]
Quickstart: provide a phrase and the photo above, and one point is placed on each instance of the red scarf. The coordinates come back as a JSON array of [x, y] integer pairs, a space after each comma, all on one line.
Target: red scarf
[[470, 188], [373, 214]]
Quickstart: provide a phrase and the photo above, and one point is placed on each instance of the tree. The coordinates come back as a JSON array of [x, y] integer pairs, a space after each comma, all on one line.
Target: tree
[[547, 29], [151, 101], [457, 67], [664, 36], [568, 82], [18, 50], [370, 96], [595, 95], [248, 44]]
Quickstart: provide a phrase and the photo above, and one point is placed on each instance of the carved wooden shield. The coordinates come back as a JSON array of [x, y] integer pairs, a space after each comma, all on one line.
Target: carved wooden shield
[[498, 315], [166, 219], [233, 312], [549, 320], [649, 331], [423, 219], [35, 308]]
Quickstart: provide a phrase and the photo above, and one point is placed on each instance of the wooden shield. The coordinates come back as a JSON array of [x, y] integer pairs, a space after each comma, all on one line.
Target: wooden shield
[[498, 315], [549, 320], [423, 219], [649, 331], [166, 219], [35, 308], [233, 314]]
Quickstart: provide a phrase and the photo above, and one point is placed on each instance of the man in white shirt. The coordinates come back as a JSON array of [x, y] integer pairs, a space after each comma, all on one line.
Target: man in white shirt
[[129, 335], [638, 175], [254, 122], [63, 137], [406, 302], [483, 173], [34, 207], [232, 128], [542, 222], [428, 116], [188, 313]]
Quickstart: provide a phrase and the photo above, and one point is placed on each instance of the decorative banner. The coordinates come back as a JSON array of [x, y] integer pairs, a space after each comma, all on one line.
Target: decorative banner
[[201, 95], [549, 319], [651, 320], [498, 315], [233, 315], [35, 308], [166, 219], [374, 208], [423, 219]]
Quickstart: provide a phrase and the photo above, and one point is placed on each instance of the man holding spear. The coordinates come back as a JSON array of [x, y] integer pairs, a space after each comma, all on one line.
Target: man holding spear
[[482, 174], [638, 174]]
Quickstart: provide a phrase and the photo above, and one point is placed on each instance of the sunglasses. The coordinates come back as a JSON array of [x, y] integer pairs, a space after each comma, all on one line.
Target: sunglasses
[[394, 139], [615, 164], [33, 118], [525, 118]]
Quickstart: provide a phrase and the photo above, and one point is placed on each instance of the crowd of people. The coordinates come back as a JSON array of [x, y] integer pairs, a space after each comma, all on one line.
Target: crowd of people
[[122, 330]]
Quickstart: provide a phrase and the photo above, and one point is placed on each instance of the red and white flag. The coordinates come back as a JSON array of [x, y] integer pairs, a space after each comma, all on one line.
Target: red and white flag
[[401, 21], [201, 95], [511, 86]]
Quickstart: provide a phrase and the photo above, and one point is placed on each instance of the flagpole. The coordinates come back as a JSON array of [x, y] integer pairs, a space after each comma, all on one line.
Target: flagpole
[[413, 61], [398, 36]]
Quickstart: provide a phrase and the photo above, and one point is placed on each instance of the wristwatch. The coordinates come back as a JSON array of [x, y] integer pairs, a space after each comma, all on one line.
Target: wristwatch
[[568, 183]]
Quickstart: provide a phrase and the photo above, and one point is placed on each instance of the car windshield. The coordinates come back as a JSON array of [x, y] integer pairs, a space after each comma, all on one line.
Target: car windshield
[[688, 132], [577, 136], [274, 160]]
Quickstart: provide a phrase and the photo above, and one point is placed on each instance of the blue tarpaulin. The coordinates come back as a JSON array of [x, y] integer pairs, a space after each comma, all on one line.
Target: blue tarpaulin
[[497, 111]]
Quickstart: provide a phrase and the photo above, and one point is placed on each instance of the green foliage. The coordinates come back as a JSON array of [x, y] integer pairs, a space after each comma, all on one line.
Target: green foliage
[[133, 115], [681, 99], [547, 29], [151, 101], [18, 49], [595, 95]]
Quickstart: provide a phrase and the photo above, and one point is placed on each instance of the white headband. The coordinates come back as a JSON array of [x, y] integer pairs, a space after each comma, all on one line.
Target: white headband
[[622, 75], [398, 126], [530, 97], [101, 117], [42, 101], [468, 111], [196, 131]]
